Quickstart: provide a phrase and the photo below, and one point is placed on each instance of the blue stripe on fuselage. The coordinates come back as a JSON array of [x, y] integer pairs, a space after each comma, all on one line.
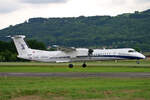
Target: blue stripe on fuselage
[[116, 56], [123, 57]]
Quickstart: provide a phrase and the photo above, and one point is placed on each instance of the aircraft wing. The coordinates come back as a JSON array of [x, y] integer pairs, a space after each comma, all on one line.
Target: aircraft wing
[[67, 50]]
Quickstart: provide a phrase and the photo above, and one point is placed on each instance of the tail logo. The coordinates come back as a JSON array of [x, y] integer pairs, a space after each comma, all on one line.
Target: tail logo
[[22, 47]]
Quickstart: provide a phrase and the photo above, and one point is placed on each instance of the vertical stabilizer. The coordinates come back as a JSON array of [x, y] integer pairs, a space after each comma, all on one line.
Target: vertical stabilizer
[[20, 44]]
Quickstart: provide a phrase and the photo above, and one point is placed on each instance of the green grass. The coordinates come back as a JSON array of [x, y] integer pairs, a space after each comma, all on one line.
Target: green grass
[[90, 88], [105, 66], [75, 88], [77, 69]]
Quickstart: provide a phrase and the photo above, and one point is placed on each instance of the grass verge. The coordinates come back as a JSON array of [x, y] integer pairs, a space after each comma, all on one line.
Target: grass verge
[[75, 88], [105, 66]]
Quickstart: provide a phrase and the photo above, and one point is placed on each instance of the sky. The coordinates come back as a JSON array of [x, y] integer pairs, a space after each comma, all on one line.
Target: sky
[[13, 12]]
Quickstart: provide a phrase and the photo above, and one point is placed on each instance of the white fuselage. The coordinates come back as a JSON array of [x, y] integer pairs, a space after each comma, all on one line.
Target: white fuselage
[[81, 54]]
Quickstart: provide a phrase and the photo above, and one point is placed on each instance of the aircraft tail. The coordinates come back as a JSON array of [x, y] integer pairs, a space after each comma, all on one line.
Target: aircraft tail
[[20, 44]]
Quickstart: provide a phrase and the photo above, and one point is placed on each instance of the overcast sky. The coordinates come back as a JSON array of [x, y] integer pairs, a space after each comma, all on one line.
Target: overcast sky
[[17, 11]]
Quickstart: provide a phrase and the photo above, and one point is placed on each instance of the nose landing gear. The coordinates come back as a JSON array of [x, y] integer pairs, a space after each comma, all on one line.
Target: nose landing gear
[[138, 62]]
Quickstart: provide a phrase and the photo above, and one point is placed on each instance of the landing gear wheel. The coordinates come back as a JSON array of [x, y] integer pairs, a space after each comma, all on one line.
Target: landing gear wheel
[[70, 65], [84, 65], [138, 62]]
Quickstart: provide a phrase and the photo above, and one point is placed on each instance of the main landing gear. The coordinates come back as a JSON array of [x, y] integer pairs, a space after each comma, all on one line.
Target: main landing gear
[[70, 65], [83, 65]]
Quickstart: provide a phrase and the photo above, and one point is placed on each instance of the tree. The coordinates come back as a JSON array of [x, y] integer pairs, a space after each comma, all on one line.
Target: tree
[[8, 50], [34, 44]]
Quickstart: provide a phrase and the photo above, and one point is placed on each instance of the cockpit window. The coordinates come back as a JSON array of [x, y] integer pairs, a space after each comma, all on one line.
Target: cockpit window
[[131, 51]]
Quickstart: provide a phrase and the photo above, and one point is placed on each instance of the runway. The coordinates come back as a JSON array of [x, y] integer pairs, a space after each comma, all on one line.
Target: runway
[[79, 74]]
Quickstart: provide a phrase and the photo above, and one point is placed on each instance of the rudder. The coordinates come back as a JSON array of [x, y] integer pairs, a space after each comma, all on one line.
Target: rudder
[[20, 44]]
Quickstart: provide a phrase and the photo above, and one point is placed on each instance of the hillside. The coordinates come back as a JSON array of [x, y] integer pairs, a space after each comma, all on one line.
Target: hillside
[[126, 30]]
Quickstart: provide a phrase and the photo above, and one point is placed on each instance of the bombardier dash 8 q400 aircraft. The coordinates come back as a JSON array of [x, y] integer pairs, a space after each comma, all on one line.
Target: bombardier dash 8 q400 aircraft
[[72, 55]]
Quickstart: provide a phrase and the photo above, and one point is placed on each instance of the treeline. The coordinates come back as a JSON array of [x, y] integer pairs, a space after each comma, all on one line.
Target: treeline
[[8, 52], [122, 31]]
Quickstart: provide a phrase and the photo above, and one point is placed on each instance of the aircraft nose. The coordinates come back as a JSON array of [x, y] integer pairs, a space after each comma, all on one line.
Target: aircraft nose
[[142, 56]]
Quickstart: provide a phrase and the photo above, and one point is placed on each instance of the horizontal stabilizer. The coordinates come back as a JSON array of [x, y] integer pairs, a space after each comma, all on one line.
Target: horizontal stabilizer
[[18, 36]]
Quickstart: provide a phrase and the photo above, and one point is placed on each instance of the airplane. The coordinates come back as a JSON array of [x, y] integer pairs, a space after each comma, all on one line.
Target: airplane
[[73, 54]]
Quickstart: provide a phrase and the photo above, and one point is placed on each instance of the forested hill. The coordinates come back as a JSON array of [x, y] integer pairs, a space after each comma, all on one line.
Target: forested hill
[[125, 30]]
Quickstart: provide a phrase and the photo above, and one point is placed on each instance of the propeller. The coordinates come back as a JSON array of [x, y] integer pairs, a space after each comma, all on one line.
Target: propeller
[[90, 52]]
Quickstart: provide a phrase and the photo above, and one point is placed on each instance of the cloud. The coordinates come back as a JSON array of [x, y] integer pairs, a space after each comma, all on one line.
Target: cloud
[[5, 9], [17, 11], [119, 2], [43, 1], [7, 6], [142, 1]]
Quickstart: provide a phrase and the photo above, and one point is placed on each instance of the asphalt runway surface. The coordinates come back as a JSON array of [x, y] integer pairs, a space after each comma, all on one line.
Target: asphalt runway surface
[[78, 74]]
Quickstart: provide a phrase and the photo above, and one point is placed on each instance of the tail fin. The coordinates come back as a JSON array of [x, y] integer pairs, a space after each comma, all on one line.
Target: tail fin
[[20, 44]]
